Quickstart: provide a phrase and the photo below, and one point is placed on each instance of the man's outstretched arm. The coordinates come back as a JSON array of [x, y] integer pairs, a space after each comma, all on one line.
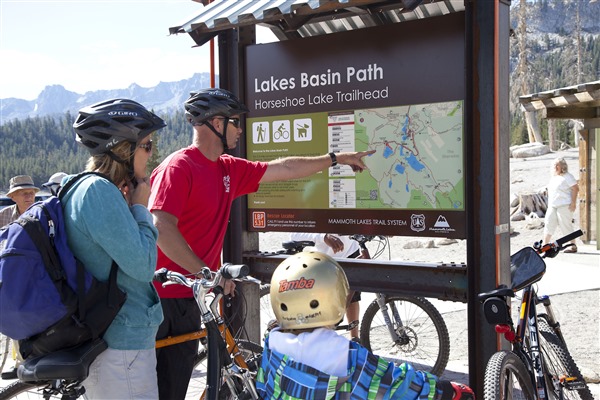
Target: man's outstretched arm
[[299, 167]]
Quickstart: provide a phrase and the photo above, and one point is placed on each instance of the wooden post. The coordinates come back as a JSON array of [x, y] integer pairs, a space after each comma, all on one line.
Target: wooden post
[[584, 189]]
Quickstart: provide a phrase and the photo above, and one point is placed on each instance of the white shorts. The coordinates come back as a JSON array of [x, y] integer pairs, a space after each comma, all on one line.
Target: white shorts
[[560, 217]]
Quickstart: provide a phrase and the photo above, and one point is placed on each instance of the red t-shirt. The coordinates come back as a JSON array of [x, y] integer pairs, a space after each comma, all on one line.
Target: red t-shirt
[[199, 192]]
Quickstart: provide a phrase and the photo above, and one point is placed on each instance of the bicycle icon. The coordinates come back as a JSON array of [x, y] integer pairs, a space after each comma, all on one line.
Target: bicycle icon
[[282, 132]]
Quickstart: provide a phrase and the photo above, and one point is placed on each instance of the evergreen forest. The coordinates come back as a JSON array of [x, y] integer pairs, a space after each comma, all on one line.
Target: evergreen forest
[[42, 146]]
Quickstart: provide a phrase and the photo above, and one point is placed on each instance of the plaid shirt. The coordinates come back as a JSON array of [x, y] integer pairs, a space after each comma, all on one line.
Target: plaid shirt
[[8, 215], [369, 377]]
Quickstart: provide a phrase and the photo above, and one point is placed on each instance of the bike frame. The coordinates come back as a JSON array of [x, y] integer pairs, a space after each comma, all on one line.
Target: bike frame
[[221, 343], [527, 325], [232, 347]]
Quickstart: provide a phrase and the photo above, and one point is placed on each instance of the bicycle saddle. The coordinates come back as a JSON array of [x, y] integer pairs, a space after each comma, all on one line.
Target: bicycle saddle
[[69, 364]]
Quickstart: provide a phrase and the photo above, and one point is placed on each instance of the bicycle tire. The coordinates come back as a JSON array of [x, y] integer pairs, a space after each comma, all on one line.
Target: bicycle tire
[[266, 311], [506, 377], [23, 391], [5, 350], [252, 354], [427, 344], [559, 363]]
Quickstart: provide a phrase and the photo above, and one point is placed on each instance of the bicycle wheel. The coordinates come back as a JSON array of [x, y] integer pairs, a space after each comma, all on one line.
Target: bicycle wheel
[[558, 364], [5, 352], [252, 354], [506, 378], [266, 311], [423, 335]]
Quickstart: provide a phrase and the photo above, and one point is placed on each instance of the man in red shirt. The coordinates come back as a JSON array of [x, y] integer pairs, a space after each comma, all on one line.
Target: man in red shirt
[[192, 193]]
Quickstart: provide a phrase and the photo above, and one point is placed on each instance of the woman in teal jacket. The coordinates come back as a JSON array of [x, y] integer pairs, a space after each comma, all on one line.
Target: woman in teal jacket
[[106, 219]]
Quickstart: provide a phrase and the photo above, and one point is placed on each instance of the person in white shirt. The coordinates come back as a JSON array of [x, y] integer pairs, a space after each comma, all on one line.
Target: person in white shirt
[[562, 201]]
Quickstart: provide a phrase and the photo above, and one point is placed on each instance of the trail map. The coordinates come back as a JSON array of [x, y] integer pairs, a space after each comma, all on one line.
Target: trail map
[[418, 163]]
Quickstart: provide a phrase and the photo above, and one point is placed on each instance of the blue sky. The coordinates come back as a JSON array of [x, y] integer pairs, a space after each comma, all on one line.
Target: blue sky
[[88, 45]]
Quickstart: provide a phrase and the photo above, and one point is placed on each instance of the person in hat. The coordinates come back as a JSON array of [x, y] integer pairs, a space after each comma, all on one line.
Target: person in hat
[[22, 191], [54, 182]]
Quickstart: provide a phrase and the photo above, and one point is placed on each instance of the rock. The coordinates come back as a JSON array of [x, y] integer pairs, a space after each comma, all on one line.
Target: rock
[[446, 242], [515, 200], [519, 216], [414, 244], [529, 150]]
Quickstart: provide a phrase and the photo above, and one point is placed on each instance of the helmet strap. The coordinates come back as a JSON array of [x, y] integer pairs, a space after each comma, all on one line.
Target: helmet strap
[[129, 165], [222, 136]]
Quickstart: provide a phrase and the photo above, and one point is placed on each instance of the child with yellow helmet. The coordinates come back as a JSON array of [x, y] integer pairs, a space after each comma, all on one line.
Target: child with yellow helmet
[[305, 358]]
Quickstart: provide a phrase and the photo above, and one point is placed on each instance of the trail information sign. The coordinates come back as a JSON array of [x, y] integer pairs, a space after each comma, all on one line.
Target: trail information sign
[[401, 95]]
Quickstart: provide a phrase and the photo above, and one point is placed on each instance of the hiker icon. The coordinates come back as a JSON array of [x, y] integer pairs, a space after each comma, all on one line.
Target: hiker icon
[[260, 132]]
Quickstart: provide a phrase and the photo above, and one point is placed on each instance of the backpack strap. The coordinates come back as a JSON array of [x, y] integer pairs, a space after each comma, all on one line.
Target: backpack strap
[[33, 227], [112, 287]]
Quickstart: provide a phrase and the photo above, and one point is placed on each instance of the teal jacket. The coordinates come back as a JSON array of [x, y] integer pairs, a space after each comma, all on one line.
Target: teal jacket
[[101, 227]]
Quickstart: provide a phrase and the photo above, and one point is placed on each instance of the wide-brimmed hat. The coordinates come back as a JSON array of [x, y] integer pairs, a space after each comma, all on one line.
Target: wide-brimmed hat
[[20, 182], [55, 179]]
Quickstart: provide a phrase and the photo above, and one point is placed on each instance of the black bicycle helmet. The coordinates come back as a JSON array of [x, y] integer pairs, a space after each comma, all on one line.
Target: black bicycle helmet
[[208, 103], [102, 126]]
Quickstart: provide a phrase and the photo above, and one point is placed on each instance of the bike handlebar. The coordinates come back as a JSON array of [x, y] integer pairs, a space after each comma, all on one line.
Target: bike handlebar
[[232, 271], [552, 249], [227, 271], [362, 239]]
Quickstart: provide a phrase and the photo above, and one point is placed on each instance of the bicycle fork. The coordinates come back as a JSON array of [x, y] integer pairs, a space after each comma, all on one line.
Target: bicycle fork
[[232, 370], [554, 324], [567, 382], [383, 307]]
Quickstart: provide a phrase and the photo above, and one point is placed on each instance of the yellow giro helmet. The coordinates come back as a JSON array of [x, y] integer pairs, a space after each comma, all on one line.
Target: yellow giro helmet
[[309, 290]]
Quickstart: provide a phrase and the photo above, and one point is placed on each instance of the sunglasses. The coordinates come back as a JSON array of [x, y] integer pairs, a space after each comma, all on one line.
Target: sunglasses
[[234, 121], [146, 146]]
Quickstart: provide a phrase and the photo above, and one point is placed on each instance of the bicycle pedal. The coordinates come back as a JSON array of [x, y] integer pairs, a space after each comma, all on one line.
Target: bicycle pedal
[[572, 383]]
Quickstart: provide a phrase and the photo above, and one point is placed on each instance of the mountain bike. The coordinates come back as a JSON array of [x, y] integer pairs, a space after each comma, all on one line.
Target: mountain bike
[[539, 365], [398, 328], [228, 364]]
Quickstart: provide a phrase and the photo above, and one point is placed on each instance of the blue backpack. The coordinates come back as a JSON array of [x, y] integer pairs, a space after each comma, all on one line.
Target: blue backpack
[[48, 300]]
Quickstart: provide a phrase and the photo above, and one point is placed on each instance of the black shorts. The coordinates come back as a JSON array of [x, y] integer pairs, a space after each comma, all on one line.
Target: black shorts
[[356, 295]]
